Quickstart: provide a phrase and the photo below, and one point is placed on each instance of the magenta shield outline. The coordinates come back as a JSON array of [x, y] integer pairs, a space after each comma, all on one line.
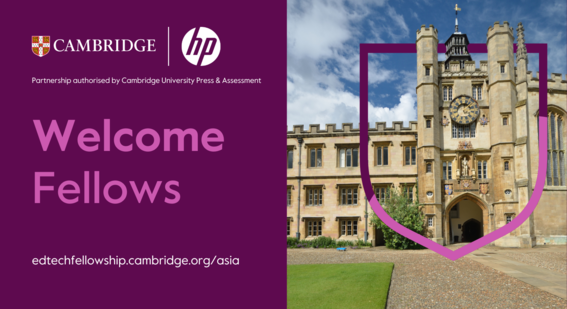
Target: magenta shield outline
[[365, 50]]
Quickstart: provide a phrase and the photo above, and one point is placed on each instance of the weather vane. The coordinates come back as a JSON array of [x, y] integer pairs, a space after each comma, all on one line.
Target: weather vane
[[457, 9]]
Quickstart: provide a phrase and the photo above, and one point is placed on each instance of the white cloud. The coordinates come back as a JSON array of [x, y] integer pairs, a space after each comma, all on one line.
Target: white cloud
[[408, 82], [555, 10], [556, 48], [404, 111], [316, 28], [322, 106], [323, 38], [546, 24], [414, 15]]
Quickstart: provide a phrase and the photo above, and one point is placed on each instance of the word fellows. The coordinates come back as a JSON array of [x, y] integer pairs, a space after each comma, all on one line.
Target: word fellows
[[123, 140]]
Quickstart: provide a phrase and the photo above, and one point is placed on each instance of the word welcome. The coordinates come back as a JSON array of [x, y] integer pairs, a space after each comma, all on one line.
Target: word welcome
[[90, 140]]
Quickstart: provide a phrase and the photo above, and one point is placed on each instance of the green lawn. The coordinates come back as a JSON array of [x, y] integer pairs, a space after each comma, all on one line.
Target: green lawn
[[338, 285]]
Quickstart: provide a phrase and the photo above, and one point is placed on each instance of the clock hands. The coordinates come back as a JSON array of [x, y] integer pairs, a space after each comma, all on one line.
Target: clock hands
[[463, 110]]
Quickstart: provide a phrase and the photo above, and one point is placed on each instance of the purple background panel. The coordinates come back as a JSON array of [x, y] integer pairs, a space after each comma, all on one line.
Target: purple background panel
[[227, 206], [366, 49]]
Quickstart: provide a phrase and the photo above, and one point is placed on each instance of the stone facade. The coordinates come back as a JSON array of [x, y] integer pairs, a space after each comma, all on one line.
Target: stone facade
[[472, 178]]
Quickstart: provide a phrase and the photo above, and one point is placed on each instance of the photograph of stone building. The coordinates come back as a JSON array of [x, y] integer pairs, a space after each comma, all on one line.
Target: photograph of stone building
[[471, 156]]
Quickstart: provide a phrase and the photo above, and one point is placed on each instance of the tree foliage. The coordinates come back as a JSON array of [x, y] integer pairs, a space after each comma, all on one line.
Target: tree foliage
[[406, 212]]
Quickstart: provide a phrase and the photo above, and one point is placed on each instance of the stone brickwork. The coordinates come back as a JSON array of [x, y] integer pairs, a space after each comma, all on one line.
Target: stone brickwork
[[504, 145], [331, 178]]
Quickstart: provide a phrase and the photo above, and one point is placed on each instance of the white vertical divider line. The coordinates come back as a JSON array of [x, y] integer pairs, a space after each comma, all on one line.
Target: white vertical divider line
[[167, 46]]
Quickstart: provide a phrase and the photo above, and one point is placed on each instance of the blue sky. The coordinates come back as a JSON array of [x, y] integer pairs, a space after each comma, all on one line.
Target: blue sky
[[323, 61]]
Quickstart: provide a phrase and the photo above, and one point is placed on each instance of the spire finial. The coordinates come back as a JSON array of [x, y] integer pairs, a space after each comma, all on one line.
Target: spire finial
[[457, 9], [521, 52]]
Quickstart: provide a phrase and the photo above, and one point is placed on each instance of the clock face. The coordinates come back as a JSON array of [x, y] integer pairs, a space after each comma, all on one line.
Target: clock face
[[464, 110]]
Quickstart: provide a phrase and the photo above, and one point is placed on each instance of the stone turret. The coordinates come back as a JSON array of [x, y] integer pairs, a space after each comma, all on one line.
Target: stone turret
[[429, 143], [522, 151], [503, 99]]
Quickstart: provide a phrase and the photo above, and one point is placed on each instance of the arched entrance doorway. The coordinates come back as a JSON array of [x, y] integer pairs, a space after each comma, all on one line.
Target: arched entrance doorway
[[466, 219], [471, 231]]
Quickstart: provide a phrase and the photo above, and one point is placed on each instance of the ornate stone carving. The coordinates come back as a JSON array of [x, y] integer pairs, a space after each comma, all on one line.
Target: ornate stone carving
[[465, 145], [522, 52], [445, 122], [483, 187], [465, 166]]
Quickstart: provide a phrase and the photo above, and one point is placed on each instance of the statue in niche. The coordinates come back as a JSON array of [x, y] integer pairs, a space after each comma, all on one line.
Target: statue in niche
[[465, 166]]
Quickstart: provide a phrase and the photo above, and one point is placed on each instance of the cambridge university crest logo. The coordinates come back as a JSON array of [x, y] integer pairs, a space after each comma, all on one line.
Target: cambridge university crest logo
[[40, 45]]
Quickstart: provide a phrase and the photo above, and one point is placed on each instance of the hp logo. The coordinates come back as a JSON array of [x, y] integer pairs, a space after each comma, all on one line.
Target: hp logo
[[200, 46]]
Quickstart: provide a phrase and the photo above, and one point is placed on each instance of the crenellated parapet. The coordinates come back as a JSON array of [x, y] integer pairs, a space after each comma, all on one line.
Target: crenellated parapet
[[470, 69], [499, 29], [380, 127], [556, 83], [426, 32], [470, 66]]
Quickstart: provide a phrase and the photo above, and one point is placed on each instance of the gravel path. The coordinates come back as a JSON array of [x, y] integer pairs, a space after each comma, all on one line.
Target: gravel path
[[554, 261], [423, 279]]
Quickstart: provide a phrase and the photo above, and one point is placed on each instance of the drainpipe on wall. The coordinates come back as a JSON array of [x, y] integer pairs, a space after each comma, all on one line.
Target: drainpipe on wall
[[366, 211], [297, 234], [366, 219]]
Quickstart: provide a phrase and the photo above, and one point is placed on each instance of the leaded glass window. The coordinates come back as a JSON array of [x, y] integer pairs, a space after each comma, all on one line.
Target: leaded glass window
[[314, 196], [349, 196], [555, 150]]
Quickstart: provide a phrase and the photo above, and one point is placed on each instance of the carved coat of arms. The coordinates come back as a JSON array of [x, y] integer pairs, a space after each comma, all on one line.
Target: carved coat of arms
[[448, 189], [464, 145], [483, 120], [466, 184], [483, 188], [445, 122]]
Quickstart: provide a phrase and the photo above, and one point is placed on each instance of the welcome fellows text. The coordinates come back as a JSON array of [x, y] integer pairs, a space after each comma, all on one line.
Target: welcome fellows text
[[89, 140]]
